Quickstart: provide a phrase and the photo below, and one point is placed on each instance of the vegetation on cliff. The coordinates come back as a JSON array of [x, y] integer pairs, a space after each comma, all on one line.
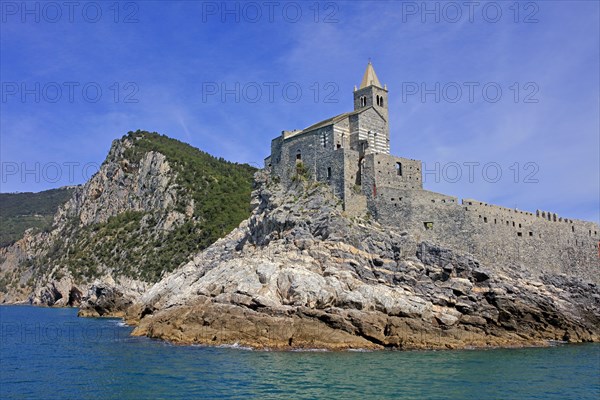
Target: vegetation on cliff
[[154, 202], [21, 211], [136, 243], [220, 189]]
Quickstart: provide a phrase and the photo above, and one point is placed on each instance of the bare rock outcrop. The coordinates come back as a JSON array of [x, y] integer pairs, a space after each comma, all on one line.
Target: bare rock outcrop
[[300, 273], [39, 269], [107, 298]]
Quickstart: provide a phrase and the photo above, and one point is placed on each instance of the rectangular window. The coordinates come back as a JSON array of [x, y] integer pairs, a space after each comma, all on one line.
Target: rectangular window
[[324, 139], [328, 172], [399, 168]]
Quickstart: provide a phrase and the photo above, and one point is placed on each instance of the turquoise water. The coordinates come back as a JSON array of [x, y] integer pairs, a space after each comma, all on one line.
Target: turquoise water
[[50, 353]]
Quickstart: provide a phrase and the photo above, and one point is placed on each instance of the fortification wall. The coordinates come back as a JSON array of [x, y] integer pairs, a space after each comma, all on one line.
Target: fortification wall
[[275, 159], [493, 234], [330, 169], [379, 172], [355, 202], [396, 172], [549, 242]]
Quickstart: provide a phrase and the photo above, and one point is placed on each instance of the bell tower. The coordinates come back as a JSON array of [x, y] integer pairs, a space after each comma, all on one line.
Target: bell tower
[[371, 133], [371, 93]]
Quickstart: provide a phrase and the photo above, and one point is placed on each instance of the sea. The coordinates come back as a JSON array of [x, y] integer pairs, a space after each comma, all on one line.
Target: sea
[[49, 353]]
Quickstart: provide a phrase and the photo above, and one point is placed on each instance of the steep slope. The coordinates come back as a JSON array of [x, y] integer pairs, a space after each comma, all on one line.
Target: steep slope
[[299, 273], [153, 203], [22, 211]]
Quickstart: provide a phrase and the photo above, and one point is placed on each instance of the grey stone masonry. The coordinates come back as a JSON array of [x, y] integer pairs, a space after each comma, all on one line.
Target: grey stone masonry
[[350, 152]]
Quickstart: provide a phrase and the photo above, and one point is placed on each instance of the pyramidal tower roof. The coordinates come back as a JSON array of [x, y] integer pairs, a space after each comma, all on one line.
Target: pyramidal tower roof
[[370, 77]]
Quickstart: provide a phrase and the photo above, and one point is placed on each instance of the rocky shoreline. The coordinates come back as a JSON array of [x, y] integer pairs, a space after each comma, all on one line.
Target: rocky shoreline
[[299, 274]]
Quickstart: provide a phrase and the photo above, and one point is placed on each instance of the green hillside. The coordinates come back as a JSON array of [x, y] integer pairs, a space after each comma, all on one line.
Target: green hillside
[[133, 243], [21, 211]]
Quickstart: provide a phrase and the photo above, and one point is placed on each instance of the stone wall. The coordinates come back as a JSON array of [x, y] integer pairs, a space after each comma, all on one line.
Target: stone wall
[[330, 169], [355, 202], [492, 234], [308, 146], [390, 171]]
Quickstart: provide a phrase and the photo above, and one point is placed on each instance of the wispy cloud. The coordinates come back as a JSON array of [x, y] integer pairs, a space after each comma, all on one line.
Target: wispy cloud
[[171, 53]]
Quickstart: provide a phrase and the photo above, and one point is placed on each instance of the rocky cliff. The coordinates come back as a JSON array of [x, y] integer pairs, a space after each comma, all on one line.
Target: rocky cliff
[[149, 208], [299, 273], [140, 241]]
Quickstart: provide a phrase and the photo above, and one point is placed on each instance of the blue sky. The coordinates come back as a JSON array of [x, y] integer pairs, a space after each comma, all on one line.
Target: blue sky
[[184, 63]]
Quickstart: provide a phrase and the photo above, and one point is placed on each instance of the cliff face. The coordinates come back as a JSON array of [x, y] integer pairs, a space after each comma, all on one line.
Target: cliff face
[[139, 240], [138, 216], [299, 273], [49, 276], [122, 185]]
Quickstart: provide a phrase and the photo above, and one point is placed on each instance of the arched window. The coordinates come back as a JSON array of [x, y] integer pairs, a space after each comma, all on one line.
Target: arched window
[[381, 101], [399, 168], [298, 156]]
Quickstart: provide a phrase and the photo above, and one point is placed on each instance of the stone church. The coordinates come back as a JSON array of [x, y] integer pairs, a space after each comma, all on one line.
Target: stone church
[[351, 153]]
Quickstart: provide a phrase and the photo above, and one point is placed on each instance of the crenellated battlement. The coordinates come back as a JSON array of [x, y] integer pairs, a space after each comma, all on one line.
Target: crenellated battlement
[[492, 210]]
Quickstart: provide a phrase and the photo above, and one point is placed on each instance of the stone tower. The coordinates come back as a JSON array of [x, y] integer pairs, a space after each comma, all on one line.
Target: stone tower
[[374, 129], [371, 93]]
